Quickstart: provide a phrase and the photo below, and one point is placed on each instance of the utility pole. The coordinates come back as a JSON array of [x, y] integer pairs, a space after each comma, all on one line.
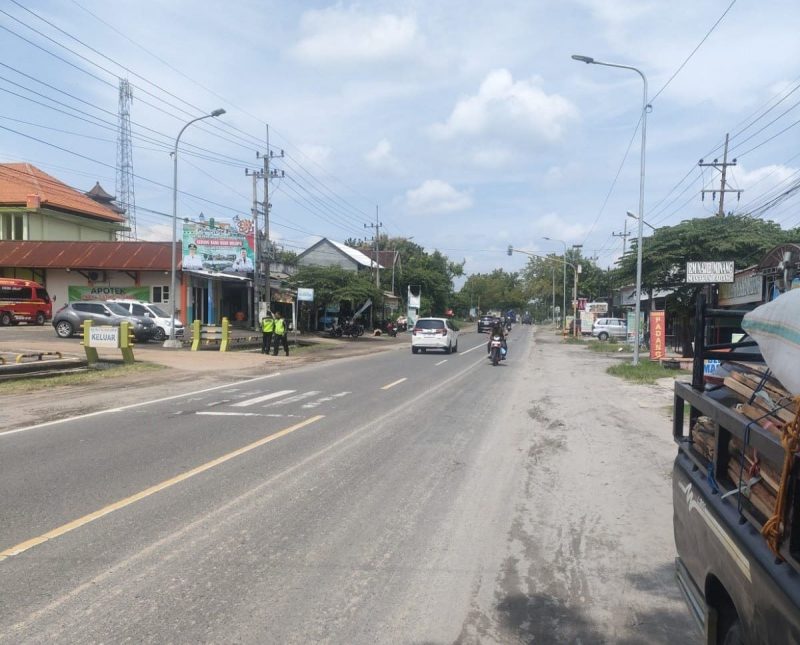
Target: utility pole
[[722, 167], [624, 235], [377, 226], [376, 238], [256, 175], [266, 253]]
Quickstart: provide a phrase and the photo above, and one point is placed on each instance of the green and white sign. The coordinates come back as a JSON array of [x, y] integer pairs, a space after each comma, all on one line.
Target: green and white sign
[[76, 294]]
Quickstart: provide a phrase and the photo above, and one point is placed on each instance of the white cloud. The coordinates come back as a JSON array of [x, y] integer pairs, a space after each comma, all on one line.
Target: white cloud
[[335, 35], [508, 109], [560, 227], [381, 158], [316, 153], [436, 196]]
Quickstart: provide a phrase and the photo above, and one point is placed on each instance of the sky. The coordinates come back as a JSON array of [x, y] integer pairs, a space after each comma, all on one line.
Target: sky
[[466, 126]]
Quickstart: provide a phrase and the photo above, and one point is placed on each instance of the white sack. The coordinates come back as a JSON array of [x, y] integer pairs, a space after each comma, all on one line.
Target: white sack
[[775, 326]]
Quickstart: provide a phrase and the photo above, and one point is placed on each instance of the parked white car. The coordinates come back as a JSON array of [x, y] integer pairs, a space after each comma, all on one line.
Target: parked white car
[[162, 319], [434, 333], [605, 328]]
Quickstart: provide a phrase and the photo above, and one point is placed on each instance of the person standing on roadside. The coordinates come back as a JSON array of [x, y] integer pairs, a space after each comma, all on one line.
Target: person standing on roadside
[[280, 334], [267, 329]]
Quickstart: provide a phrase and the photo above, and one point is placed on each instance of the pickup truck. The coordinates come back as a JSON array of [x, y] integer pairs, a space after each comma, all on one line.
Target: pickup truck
[[738, 588]]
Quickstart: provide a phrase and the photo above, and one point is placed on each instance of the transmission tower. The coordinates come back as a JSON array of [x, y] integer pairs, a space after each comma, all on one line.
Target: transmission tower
[[126, 198]]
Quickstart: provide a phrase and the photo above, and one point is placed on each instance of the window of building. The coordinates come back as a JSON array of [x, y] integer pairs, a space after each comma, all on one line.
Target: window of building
[[161, 295], [12, 226]]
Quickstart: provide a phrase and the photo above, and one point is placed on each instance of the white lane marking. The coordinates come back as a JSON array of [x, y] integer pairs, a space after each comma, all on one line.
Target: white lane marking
[[229, 414], [397, 382], [440, 362], [473, 349], [292, 399], [220, 402], [132, 405], [324, 399], [260, 399]]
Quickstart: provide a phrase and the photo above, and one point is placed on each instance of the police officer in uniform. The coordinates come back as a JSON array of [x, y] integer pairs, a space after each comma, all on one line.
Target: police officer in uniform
[[267, 329], [280, 334]]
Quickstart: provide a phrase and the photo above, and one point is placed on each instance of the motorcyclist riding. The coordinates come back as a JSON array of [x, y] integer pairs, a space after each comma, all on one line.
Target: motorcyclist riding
[[497, 330]]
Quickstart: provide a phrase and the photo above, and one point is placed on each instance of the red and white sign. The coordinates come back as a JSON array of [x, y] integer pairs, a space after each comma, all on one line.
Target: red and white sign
[[658, 335]]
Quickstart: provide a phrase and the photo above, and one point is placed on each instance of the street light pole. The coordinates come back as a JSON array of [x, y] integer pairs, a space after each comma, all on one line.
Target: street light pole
[[591, 61], [171, 341], [575, 269], [564, 285]]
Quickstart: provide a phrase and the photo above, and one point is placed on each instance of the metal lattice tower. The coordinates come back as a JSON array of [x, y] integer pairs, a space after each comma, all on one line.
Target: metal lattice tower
[[126, 198]]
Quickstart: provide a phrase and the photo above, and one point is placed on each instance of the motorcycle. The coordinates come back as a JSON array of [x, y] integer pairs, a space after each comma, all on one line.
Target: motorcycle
[[391, 329], [352, 329], [335, 330], [496, 351]]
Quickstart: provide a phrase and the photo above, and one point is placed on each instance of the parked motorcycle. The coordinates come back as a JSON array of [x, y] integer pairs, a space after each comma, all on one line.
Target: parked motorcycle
[[391, 329], [335, 330], [352, 329], [496, 350]]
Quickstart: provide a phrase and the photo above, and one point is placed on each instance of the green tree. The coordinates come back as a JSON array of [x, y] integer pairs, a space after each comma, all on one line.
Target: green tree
[[741, 238], [333, 284]]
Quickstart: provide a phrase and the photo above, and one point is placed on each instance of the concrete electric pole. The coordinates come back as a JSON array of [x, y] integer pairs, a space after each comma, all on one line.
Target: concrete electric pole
[[722, 167]]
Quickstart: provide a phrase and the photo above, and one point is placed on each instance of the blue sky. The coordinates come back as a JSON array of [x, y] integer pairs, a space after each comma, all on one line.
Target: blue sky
[[466, 123]]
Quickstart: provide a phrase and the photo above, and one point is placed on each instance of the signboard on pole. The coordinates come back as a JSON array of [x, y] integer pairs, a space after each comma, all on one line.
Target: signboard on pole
[[658, 335], [709, 272], [103, 336], [305, 294]]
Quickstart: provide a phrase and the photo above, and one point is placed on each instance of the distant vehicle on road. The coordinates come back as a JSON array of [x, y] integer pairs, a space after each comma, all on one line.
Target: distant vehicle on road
[[434, 333], [23, 301], [485, 323], [69, 319], [527, 319]]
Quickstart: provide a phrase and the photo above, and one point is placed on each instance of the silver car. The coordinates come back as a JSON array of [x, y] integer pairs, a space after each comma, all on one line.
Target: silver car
[[605, 328], [69, 319]]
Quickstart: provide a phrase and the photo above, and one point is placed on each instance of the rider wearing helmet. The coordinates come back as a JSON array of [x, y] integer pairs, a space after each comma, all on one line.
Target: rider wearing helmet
[[497, 330]]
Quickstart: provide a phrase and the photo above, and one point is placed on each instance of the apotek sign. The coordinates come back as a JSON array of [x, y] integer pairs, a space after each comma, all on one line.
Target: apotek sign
[[709, 272]]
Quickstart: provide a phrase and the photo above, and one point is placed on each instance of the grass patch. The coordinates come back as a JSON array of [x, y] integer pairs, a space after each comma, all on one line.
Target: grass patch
[[571, 340], [609, 347], [645, 372], [103, 372]]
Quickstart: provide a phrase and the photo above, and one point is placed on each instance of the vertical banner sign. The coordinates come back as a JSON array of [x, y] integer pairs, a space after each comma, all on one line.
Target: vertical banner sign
[[658, 335], [413, 306]]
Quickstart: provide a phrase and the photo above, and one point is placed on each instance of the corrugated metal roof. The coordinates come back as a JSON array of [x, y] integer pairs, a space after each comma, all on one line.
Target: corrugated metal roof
[[18, 180], [129, 256], [355, 254]]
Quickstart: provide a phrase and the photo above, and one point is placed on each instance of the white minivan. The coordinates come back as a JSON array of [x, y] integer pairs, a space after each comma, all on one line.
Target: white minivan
[[605, 328], [162, 319]]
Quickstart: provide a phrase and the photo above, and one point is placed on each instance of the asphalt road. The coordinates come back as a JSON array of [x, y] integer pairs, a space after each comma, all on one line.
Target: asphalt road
[[386, 499]]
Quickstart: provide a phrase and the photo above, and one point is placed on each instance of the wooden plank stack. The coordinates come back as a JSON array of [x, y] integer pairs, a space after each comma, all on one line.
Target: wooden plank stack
[[763, 400]]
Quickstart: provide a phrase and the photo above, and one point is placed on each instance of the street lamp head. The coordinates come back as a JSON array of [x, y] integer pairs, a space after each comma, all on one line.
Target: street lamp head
[[218, 112], [632, 215], [583, 59], [510, 249]]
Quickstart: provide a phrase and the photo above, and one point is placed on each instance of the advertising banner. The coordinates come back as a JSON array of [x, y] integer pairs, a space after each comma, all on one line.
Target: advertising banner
[[658, 335], [219, 246], [76, 293], [630, 325]]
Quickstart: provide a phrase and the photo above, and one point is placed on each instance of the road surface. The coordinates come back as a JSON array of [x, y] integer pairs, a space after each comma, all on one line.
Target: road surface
[[386, 499]]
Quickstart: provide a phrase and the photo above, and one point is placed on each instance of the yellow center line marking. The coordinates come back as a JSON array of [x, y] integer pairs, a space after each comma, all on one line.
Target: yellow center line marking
[[147, 492], [397, 382]]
